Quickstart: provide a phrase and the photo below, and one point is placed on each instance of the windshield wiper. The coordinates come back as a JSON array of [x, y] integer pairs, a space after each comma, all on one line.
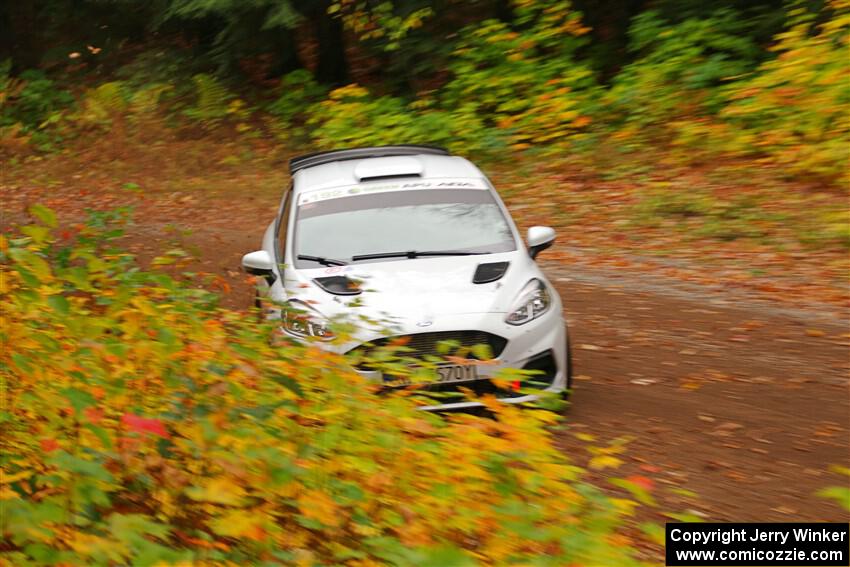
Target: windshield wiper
[[414, 254], [323, 261]]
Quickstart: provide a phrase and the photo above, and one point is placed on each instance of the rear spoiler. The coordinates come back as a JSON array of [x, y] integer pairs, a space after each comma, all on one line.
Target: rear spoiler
[[319, 158]]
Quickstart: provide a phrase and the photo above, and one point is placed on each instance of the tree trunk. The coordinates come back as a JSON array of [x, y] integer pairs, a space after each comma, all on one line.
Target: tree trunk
[[504, 11], [285, 52], [332, 66], [20, 39], [610, 21]]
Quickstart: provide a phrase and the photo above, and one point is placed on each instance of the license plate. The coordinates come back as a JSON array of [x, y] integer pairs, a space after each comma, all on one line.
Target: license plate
[[457, 373], [445, 373]]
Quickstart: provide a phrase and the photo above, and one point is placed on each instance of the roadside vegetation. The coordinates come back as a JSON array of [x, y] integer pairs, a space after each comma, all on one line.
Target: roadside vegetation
[[145, 425]]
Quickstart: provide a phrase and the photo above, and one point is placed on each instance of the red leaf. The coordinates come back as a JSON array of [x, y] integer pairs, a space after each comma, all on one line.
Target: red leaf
[[94, 415], [144, 424], [128, 443], [48, 445], [642, 481]]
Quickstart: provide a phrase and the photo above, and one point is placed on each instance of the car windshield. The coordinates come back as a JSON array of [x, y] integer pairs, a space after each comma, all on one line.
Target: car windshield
[[432, 222]]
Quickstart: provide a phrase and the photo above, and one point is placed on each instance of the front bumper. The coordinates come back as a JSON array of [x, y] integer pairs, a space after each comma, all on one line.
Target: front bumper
[[526, 346]]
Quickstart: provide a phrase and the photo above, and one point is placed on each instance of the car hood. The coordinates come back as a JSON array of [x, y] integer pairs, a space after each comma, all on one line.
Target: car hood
[[415, 290]]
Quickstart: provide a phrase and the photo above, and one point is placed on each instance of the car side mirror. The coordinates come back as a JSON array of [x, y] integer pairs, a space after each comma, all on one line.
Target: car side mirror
[[539, 239], [258, 263]]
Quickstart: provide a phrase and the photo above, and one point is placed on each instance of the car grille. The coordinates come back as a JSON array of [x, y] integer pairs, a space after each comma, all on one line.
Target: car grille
[[478, 388], [419, 345]]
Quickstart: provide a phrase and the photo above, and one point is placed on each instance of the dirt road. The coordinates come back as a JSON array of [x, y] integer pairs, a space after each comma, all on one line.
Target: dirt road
[[738, 401], [735, 407]]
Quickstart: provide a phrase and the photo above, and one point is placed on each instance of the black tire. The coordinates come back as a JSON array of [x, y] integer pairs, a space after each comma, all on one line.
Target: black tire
[[259, 306], [566, 394]]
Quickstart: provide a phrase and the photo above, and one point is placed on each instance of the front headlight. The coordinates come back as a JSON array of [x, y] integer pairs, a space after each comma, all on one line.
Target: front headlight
[[303, 322], [532, 302]]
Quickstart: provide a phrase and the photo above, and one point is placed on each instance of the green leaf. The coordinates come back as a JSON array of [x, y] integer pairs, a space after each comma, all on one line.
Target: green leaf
[[28, 277], [685, 517], [101, 434], [59, 303], [131, 528], [44, 214], [30, 264], [841, 494], [840, 469], [22, 363], [446, 557], [640, 493], [448, 346], [654, 532], [349, 492], [79, 399], [39, 234], [42, 553], [289, 383], [76, 465], [482, 352], [77, 276]]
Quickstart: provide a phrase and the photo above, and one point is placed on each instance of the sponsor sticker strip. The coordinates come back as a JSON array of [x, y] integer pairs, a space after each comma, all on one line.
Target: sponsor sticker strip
[[372, 188]]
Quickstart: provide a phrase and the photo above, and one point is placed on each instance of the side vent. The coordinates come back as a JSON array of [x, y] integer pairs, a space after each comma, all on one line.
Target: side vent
[[338, 285], [486, 273]]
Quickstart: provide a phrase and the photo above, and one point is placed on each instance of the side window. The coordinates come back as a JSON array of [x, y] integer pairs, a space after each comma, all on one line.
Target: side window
[[283, 223]]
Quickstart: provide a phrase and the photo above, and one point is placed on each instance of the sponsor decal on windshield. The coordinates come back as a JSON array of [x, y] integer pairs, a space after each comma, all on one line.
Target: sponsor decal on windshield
[[353, 190]]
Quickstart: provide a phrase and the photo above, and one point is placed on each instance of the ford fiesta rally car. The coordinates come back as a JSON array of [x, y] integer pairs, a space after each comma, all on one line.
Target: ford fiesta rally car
[[415, 246]]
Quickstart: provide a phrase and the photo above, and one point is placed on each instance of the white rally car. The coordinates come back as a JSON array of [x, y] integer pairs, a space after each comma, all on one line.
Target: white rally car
[[415, 246]]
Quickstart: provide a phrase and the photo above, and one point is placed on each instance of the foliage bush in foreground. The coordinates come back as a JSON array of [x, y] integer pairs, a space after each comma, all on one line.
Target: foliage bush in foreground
[[144, 425]]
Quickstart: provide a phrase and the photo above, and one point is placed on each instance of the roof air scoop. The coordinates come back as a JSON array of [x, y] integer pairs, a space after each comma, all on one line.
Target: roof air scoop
[[376, 169]]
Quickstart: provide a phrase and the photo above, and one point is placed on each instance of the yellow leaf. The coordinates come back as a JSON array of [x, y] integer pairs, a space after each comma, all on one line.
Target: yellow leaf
[[10, 478], [318, 506], [39, 267], [605, 462], [240, 523], [218, 491], [7, 493], [624, 505]]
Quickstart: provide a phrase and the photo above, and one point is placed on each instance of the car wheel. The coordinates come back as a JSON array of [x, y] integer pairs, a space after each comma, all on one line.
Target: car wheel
[[259, 305], [569, 369]]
